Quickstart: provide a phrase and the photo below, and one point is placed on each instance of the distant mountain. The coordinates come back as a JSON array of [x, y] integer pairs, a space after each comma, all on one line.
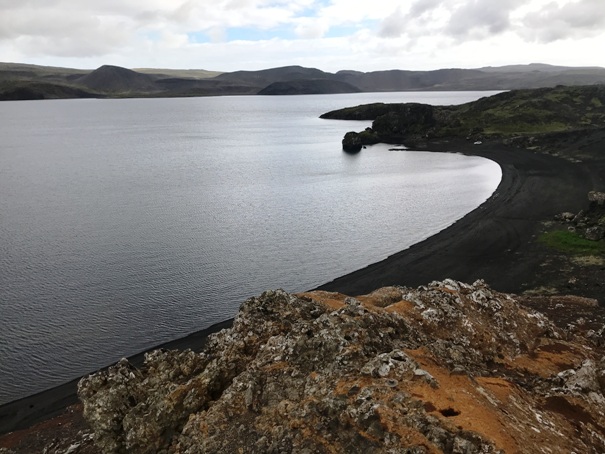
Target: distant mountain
[[508, 78], [24, 71], [308, 87], [541, 67], [396, 80], [179, 73], [114, 79], [27, 91], [20, 81], [265, 77]]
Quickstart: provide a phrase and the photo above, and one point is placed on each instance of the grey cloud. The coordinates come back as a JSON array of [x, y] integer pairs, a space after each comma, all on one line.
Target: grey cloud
[[480, 18], [393, 26], [572, 20], [396, 23], [422, 6]]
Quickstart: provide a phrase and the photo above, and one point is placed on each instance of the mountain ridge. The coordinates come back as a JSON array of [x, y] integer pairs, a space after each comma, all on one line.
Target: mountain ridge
[[115, 81]]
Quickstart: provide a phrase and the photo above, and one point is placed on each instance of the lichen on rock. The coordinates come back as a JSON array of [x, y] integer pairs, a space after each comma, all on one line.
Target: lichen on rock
[[448, 367]]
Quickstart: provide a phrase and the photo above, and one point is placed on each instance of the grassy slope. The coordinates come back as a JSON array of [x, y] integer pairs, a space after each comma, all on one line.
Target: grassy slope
[[536, 111], [571, 243], [508, 114], [180, 73]]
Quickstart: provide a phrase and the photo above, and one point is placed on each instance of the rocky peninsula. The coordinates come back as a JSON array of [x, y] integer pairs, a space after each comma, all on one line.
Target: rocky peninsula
[[519, 117], [511, 361]]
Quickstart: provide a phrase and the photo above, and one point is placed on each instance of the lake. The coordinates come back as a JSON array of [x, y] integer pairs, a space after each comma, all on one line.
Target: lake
[[128, 223]]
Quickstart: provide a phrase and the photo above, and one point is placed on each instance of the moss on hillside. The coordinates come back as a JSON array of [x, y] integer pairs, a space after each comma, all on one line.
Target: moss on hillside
[[571, 243]]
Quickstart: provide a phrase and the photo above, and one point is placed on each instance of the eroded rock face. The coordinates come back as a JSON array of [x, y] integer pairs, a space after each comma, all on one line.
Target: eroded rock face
[[449, 367]]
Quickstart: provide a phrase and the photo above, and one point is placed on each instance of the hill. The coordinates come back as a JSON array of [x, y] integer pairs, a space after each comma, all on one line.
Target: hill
[[308, 87], [28, 91], [514, 115], [265, 77], [178, 73], [21, 71], [114, 79]]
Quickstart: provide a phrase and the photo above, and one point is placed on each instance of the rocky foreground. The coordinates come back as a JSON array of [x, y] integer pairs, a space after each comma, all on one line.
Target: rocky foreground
[[448, 367]]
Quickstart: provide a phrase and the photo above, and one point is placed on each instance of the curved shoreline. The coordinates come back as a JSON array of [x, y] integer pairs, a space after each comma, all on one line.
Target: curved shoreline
[[488, 243]]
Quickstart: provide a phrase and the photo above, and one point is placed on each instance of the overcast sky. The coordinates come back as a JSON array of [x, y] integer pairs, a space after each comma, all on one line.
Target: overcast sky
[[365, 35]]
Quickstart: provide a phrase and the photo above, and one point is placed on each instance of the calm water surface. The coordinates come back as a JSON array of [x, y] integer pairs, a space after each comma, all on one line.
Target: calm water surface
[[127, 223]]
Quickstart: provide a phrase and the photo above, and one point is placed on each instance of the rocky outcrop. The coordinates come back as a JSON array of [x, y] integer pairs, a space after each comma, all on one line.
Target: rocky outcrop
[[589, 223], [596, 197], [449, 367], [354, 141]]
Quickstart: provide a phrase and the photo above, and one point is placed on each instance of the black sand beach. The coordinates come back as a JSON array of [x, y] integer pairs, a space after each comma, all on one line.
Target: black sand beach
[[495, 242], [492, 242]]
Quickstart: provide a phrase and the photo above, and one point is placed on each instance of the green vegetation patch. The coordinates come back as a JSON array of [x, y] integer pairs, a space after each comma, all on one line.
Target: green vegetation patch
[[572, 243]]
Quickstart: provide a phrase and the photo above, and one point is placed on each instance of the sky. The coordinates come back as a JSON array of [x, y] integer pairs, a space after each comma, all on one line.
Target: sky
[[363, 35]]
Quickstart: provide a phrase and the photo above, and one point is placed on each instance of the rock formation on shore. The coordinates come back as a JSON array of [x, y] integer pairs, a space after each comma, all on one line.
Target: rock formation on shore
[[448, 367], [589, 223]]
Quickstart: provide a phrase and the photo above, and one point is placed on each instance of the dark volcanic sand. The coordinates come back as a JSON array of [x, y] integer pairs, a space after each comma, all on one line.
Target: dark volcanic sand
[[495, 242], [492, 242]]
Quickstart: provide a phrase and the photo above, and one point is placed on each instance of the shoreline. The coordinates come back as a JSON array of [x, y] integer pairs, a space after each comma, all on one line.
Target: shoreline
[[487, 243], [28, 411]]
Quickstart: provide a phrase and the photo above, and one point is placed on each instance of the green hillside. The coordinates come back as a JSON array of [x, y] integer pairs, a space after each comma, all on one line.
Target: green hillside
[[505, 115]]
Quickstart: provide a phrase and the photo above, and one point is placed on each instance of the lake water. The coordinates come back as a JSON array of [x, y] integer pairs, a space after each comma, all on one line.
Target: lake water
[[128, 223]]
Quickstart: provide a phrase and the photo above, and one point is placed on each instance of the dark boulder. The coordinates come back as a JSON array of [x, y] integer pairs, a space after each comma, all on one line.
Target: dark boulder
[[352, 142], [594, 233]]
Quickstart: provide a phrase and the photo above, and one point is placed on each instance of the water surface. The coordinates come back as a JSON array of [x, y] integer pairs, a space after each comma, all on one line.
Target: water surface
[[128, 223]]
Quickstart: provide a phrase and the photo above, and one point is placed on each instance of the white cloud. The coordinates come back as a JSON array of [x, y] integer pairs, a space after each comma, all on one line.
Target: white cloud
[[311, 28]]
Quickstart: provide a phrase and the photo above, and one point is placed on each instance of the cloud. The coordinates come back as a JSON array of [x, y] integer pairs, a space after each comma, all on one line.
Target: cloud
[[393, 26], [252, 34], [477, 19], [420, 17], [311, 28], [420, 7], [571, 20], [39, 30]]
